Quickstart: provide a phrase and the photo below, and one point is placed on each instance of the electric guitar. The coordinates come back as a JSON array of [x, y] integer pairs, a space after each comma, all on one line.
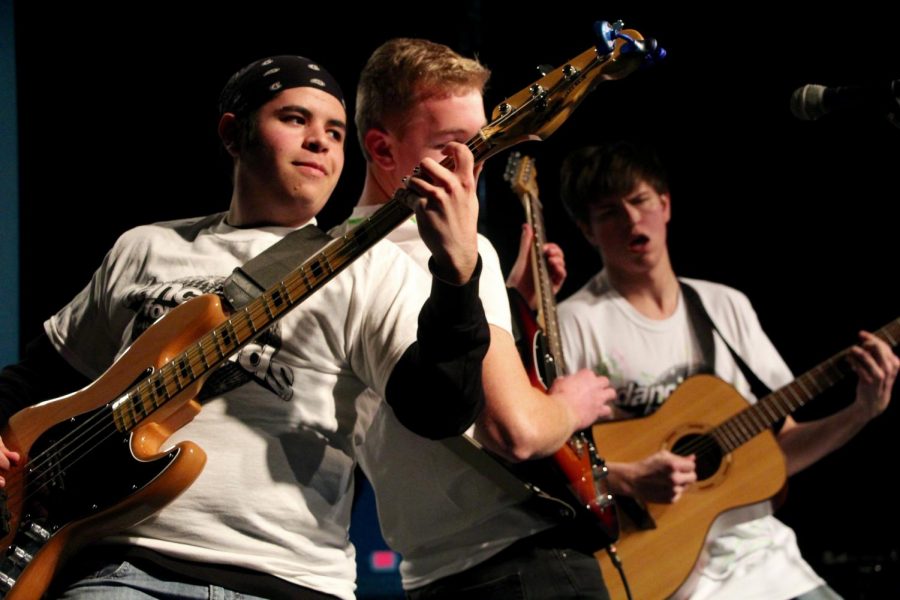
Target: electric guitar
[[738, 463], [92, 462], [578, 461]]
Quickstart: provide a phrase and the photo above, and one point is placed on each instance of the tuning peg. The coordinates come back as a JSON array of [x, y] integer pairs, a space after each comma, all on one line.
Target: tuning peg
[[544, 69], [607, 33], [650, 48], [606, 36]]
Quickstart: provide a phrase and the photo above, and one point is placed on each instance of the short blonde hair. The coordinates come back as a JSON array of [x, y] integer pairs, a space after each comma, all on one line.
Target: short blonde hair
[[404, 70]]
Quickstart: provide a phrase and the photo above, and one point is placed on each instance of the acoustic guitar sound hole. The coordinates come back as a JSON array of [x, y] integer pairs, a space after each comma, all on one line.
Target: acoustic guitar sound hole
[[705, 448]]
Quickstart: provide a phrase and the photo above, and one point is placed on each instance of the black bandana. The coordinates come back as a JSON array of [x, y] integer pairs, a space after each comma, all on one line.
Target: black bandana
[[260, 81]]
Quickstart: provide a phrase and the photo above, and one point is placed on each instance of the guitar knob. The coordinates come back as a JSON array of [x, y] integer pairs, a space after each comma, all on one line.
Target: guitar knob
[[606, 34], [602, 502]]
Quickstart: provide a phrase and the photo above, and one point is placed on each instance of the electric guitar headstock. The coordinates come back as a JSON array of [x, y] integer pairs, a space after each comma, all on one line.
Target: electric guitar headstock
[[521, 173]]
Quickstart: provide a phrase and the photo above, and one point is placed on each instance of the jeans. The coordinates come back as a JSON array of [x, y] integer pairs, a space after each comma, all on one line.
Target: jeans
[[124, 581], [139, 579], [524, 570]]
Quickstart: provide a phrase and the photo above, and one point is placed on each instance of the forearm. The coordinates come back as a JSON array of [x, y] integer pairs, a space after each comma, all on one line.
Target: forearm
[[805, 443], [436, 389], [620, 478], [661, 477], [519, 422], [540, 428]]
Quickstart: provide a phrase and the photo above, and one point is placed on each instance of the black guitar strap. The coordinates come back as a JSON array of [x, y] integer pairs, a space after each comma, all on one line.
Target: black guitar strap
[[250, 280], [704, 327], [579, 528], [495, 468], [263, 271]]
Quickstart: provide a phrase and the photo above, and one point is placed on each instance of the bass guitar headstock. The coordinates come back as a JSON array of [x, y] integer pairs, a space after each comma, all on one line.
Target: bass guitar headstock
[[538, 110]]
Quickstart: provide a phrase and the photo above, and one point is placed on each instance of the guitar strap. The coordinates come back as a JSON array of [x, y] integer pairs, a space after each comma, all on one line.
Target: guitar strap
[[250, 280], [704, 327], [266, 269], [493, 467]]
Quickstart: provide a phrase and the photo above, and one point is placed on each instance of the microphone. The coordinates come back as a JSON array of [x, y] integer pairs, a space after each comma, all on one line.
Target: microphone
[[813, 101]]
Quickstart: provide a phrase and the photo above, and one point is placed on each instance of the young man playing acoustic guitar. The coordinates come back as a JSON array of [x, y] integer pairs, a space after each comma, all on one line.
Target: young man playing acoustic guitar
[[459, 533], [632, 323], [268, 516]]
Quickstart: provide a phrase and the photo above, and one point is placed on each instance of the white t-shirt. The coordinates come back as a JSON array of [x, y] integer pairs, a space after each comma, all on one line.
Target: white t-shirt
[[748, 554], [276, 490], [436, 510]]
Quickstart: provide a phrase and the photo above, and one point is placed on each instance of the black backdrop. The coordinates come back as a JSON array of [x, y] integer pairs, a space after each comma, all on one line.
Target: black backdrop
[[117, 127]]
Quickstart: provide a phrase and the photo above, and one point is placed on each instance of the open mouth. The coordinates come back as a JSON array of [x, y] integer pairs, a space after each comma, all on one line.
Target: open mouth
[[638, 243]]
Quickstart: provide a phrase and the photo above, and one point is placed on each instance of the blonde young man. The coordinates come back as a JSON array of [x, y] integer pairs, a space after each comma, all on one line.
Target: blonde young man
[[268, 517], [459, 534], [631, 322]]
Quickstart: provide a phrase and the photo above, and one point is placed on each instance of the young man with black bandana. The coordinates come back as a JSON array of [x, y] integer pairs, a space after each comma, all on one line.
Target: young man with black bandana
[[632, 322], [268, 517]]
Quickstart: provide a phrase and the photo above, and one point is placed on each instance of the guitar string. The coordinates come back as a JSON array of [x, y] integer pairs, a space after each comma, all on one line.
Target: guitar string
[[534, 212], [746, 424]]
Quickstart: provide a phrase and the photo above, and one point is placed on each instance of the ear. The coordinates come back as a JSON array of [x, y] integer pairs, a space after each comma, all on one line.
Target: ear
[[228, 133], [379, 146], [587, 233], [666, 200]]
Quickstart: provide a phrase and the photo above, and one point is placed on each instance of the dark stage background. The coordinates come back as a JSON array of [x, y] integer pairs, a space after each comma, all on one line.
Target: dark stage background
[[117, 127]]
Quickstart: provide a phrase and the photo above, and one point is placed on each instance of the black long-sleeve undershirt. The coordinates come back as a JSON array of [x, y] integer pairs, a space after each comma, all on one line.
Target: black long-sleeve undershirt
[[435, 388]]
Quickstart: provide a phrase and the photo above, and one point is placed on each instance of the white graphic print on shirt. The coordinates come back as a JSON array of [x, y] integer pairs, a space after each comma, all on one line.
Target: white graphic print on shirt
[[257, 360]]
